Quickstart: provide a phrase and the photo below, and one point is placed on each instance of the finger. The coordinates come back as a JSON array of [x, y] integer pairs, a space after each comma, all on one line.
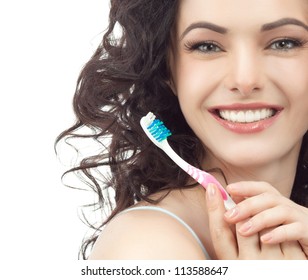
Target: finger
[[254, 205], [222, 236], [258, 197], [273, 217], [293, 251], [248, 247], [270, 251], [250, 188], [284, 233]]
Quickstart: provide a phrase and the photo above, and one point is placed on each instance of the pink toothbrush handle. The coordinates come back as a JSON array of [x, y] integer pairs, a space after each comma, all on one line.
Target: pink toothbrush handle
[[204, 178]]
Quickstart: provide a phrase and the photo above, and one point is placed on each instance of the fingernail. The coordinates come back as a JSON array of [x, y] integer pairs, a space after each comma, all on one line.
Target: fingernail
[[211, 190], [267, 237], [232, 187], [245, 227], [232, 213]]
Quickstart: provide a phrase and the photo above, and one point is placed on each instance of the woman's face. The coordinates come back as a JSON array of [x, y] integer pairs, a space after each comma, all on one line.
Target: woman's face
[[240, 71]]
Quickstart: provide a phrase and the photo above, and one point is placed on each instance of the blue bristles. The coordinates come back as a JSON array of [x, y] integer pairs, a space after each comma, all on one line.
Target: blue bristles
[[158, 130]]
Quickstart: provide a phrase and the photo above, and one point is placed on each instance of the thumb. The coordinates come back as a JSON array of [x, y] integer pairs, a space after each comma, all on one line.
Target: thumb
[[214, 199], [223, 239]]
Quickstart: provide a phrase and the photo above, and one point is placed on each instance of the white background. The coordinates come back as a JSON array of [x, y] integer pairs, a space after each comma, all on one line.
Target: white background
[[43, 46]]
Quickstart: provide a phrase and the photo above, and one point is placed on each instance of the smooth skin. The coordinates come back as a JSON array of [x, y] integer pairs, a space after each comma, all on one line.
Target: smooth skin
[[146, 234], [248, 242], [265, 208]]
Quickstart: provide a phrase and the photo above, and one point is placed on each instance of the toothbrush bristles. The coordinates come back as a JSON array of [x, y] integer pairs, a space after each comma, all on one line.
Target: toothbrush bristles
[[157, 128]]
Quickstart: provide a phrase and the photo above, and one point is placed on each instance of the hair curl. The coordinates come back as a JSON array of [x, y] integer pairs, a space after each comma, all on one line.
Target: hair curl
[[125, 79]]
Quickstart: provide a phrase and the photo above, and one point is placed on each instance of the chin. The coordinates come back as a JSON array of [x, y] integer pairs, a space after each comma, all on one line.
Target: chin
[[250, 156], [248, 162]]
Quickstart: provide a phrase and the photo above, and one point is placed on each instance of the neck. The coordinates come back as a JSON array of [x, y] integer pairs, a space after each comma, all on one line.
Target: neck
[[280, 173]]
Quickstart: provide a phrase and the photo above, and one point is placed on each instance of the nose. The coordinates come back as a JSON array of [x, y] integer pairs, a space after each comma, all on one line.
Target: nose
[[244, 72]]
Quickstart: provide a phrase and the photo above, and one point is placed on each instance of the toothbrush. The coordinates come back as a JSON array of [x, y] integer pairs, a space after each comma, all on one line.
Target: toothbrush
[[158, 134]]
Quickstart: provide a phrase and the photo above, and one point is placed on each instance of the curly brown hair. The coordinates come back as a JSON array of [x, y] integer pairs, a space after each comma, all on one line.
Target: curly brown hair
[[125, 79]]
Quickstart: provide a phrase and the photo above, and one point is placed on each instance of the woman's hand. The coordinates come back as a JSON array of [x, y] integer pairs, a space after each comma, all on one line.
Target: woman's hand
[[265, 210], [230, 243]]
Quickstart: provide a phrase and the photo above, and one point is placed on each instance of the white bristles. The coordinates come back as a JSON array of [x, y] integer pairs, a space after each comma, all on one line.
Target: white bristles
[[149, 118]]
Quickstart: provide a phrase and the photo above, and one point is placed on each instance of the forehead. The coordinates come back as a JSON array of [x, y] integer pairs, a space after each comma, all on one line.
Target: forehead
[[239, 12]]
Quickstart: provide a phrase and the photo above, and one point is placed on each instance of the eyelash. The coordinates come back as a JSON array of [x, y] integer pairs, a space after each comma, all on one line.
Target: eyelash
[[215, 48], [195, 46], [286, 41]]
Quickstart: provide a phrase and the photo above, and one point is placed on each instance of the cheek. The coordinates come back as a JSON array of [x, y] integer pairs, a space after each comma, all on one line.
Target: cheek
[[196, 79], [188, 79], [295, 91], [291, 76]]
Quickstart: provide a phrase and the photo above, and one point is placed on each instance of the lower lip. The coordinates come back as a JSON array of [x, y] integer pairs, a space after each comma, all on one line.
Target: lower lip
[[245, 128]]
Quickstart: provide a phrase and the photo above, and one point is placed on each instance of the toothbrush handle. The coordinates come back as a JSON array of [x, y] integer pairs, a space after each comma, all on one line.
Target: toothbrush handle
[[204, 178], [200, 176]]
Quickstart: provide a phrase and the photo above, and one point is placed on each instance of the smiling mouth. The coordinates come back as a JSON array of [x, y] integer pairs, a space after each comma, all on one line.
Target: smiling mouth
[[246, 116]]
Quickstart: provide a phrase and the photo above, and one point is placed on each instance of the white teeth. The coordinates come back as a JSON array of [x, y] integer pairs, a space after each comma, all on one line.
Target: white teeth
[[243, 116]]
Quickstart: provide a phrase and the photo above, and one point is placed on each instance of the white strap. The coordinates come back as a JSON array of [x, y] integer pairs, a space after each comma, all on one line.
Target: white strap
[[175, 217]]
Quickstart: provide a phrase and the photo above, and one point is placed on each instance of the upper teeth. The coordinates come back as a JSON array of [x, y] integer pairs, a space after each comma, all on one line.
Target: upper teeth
[[246, 116]]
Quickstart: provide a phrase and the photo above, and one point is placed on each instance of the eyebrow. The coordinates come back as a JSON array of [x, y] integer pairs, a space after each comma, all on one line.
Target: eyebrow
[[223, 30], [206, 25], [282, 22]]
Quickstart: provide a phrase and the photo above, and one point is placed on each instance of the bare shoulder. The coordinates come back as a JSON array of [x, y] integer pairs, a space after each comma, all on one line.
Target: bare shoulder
[[146, 234]]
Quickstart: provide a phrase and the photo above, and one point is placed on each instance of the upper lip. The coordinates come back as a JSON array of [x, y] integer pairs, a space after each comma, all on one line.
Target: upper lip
[[247, 106]]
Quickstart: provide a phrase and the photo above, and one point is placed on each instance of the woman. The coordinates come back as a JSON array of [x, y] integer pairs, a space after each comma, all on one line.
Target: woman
[[232, 87]]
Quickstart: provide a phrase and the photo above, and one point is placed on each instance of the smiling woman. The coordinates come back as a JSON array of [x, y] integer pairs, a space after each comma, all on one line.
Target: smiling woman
[[247, 60], [232, 87]]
